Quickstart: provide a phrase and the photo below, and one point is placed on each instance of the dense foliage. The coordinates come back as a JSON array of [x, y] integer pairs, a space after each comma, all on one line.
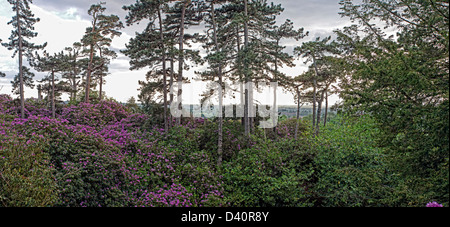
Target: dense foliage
[[388, 144], [105, 155]]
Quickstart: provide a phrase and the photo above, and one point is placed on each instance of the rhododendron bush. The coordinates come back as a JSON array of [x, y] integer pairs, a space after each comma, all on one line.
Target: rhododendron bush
[[102, 156], [106, 155]]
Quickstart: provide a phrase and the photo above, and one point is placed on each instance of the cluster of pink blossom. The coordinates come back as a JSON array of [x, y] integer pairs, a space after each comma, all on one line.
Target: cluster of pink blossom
[[103, 156]]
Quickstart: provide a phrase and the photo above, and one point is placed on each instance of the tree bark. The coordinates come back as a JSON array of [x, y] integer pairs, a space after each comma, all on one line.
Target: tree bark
[[39, 92], [74, 87], [161, 35], [275, 89], [241, 86], [219, 142], [319, 112], [171, 87], [246, 76], [91, 60], [326, 108], [21, 90], [53, 94], [181, 60], [316, 73], [100, 95], [88, 75], [298, 112]]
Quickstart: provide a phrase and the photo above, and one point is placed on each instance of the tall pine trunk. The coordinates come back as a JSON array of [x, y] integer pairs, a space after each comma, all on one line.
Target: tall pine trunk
[[275, 91], [326, 108], [73, 94], [172, 73], [319, 112], [298, 112], [74, 89], [88, 75], [316, 73], [219, 142], [241, 86], [90, 65], [246, 76], [21, 89], [161, 36], [39, 87], [53, 94], [100, 95], [181, 60]]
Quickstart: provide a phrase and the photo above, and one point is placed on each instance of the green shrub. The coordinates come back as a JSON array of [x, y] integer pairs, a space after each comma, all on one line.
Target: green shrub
[[26, 176], [352, 169], [265, 176]]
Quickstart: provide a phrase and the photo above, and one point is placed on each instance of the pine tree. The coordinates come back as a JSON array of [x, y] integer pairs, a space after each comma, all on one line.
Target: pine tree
[[73, 68], [155, 40], [181, 15], [216, 61], [258, 18], [27, 79], [104, 29], [23, 23], [313, 51], [156, 46], [278, 58], [297, 87], [52, 64]]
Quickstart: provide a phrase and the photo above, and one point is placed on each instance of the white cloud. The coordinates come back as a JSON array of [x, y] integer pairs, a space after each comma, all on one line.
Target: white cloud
[[69, 14], [57, 29]]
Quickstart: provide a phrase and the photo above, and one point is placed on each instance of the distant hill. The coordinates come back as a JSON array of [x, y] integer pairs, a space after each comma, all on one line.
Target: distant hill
[[289, 111]]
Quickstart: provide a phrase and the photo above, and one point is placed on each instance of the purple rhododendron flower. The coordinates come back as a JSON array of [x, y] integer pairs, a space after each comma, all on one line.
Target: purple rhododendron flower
[[434, 204]]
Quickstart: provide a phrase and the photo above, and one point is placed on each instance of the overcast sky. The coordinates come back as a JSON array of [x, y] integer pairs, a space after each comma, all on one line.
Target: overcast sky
[[63, 22]]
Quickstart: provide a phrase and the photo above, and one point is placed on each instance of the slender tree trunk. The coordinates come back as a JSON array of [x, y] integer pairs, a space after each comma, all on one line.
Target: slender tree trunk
[[100, 95], [88, 75], [314, 94], [49, 93], [242, 98], [275, 113], [241, 86], [326, 108], [53, 94], [181, 60], [39, 92], [246, 76], [298, 112], [73, 95], [21, 89], [90, 66], [275, 90], [171, 86], [319, 112], [161, 35], [251, 108], [219, 142]]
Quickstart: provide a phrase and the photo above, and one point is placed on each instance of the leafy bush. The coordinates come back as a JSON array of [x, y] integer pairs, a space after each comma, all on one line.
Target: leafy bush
[[105, 155], [26, 175], [286, 128], [352, 169], [95, 115], [233, 139], [264, 176]]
